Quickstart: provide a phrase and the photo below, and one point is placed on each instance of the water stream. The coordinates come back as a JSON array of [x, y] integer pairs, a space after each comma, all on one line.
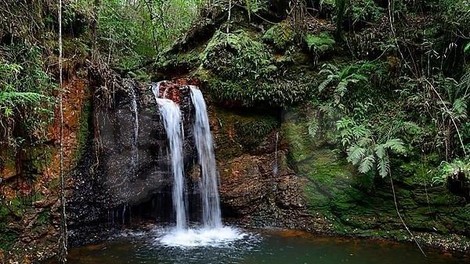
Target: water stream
[[171, 117], [212, 231], [211, 216], [135, 152]]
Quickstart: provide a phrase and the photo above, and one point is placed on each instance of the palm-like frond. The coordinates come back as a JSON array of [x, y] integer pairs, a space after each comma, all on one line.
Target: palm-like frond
[[356, 154], [383, 165], [367, 164], [396, 145]]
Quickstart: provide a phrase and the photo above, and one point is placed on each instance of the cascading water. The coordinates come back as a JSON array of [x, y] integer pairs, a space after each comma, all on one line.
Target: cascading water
[[275, 166], [211, 216], [135, 152], [171, 116], [213, 233]]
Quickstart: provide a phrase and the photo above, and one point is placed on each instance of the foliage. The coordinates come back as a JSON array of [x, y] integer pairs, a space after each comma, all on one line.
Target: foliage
[[319, 43], [338, 81], [25, 94], [452, 169], [364, 11], [235, 55], [254, 6], [366, 150], [255, 92], [241, 69], [132, 32], [280, 35]]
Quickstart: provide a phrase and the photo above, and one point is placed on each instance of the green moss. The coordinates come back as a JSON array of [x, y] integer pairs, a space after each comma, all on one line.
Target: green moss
[[171, 60], [7, 237], [252, 130], [43, 217], [41, 157], [280, 35], [319, 44], [252, 92], [299, 141], [84, 129], [242, 131], [419, 171], [236, 55], [16, 207]]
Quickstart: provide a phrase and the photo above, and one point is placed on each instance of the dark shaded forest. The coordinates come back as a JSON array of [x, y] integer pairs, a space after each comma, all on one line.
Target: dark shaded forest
[[383, 84]]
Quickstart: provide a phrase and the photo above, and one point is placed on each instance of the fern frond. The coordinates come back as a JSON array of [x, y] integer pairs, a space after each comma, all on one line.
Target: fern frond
[[327, 71], [383, 166], [313, 128], [364, 141], [459, 108], [366, 164], [342, 88], [396, 145], [344, 123], [328, 66], [21, 98], [380, 151], [324, 84], [356, 154], [360, 131]]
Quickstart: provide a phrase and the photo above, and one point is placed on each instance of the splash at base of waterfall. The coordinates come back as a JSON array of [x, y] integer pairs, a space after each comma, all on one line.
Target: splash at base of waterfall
[[203, 237]]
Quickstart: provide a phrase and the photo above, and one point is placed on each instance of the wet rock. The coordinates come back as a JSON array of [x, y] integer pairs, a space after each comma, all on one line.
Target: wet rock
[[127, 161]]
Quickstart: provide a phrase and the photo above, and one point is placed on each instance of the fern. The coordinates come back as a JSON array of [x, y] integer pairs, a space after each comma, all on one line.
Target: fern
[[362, 147], [342, 79], [380, 151], [367, 164], [325, 84], [356, 154], [459, 108], [383, 166], [16, 98], [396, 145]]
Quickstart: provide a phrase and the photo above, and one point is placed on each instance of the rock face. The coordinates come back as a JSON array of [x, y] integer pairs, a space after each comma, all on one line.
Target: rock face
[[134, 153], [129, 162]]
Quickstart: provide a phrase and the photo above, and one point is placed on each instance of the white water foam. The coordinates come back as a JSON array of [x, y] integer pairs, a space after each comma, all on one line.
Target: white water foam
[[203, 237]]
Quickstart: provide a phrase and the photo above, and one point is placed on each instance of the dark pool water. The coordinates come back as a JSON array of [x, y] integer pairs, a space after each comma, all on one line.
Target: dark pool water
[[255, 246]]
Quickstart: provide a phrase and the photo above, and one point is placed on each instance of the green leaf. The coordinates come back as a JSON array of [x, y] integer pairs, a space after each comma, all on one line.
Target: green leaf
[[367, 164], [355, 154], [380, 151], [467, 48], [384, 166], [396, 145]]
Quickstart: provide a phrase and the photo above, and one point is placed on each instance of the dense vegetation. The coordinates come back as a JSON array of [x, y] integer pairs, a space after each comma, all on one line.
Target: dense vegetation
[[394, 75]]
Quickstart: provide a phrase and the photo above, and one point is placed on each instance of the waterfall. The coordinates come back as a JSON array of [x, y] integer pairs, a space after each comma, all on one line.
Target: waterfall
[[211, 215], [135, 150], [212, 232], [275, 166], [171, 116]]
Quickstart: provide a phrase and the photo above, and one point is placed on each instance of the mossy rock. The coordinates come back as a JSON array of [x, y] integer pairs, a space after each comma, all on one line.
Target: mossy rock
[[319, 44], [281, 35], [236, 55], [252, 130], [84, 130], [259, 92], [41, 157], [240, 132], [186, 60], [7, 238]]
